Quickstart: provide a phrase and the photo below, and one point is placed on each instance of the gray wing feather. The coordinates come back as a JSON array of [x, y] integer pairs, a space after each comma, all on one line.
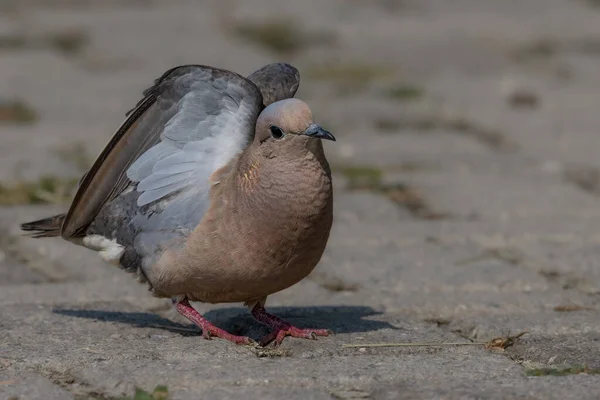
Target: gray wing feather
[[212, 111], [276, 81], [214, 120], [106, 178]]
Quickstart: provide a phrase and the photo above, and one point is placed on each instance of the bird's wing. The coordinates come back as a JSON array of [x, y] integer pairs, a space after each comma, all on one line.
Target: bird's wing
[[276, 81], [190, 123]]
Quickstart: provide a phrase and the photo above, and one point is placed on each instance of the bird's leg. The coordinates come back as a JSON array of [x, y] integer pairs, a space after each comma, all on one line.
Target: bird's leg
[[281, 329], [208, 329]]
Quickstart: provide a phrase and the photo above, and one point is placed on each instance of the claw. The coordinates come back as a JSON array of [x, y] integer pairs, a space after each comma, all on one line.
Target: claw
[[268, 339], [208, 329], [281, 329], [278, 335]]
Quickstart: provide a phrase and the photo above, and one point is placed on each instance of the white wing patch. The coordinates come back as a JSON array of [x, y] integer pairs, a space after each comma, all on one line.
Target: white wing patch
[[194, 145], [108, 249]]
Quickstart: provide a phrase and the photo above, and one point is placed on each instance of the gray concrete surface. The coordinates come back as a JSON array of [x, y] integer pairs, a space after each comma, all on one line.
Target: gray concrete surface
[[467, 199]]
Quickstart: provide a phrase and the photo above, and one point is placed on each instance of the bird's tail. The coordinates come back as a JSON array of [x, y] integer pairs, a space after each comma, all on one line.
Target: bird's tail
[[47, 227]]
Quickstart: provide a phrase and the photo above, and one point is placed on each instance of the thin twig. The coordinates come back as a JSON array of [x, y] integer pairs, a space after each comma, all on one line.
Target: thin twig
[[496, 343], [416, 344]]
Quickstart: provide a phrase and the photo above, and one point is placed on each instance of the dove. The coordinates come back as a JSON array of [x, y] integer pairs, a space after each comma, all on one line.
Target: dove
[[215, 189]]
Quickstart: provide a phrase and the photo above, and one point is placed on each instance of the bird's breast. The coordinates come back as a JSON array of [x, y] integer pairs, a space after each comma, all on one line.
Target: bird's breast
[[285, 226], [253, 243]]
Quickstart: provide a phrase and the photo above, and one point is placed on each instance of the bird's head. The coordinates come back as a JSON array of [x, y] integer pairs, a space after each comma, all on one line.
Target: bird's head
[[288, 123]]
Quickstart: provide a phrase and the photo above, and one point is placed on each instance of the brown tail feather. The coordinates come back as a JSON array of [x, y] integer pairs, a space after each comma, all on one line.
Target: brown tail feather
[[47, 227]]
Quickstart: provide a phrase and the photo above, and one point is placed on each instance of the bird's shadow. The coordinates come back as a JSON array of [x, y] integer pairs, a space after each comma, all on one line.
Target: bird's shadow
[[339, 319]]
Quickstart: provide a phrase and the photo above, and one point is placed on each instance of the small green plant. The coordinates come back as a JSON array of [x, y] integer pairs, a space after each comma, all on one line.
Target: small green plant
[[349, 74], [159, 393], [405, 196], [67, 42], [574, 370], [46, 190], [405, 93], [282, 37], [362, 177]]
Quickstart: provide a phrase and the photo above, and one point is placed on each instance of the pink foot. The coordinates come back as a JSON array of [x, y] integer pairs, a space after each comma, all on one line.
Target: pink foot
[[281, 329], [208, 329]]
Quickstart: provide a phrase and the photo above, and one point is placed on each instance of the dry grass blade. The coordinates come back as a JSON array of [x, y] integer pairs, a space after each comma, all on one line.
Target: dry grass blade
[[501, 343], [496, 343], [414, 344]]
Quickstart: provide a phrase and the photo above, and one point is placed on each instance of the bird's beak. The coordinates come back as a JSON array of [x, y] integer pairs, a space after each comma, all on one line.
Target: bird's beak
[[316, 131]]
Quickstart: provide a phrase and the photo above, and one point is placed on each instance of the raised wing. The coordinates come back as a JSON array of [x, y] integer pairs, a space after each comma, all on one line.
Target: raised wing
[[189, 124], [276, 81], [215, 120]]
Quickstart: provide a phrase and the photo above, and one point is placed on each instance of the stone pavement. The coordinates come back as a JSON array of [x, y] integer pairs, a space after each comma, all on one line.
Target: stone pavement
[[467, 199]]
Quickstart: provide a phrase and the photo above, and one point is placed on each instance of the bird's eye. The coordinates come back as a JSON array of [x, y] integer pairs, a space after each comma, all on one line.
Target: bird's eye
[[276, 132]]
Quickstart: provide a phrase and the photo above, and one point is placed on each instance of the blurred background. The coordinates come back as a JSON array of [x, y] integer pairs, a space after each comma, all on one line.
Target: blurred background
[[409, 86], [466, 169], [406, 84]]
